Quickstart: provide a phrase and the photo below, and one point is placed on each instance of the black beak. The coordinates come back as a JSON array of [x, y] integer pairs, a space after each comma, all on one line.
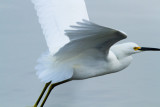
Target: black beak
[[149, 49]]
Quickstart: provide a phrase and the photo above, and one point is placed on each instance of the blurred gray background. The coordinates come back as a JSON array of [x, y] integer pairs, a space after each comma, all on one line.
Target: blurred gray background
[[22, 42]]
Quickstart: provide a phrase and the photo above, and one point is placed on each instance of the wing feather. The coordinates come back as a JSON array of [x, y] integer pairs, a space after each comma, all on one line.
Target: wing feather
[[57, 15], [89, 35]]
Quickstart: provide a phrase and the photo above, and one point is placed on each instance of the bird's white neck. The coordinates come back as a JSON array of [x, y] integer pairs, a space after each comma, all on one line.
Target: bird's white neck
[[120, 60]]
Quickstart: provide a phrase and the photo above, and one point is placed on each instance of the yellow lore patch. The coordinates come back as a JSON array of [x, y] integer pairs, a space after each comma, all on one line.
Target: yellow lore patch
[[136, 48]]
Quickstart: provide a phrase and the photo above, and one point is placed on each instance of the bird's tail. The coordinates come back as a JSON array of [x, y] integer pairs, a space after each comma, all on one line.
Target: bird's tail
[[48, 69]]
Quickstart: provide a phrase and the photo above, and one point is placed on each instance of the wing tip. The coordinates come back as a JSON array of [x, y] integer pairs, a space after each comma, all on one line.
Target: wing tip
[[121, 33]]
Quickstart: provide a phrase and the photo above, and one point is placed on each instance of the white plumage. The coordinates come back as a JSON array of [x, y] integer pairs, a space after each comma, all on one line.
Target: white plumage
[[78, 48], [73, 58], [55, 16]]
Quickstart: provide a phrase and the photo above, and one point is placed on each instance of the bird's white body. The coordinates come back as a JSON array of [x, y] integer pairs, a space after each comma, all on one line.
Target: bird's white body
[[86, 64], [94, 63], [78, 48]]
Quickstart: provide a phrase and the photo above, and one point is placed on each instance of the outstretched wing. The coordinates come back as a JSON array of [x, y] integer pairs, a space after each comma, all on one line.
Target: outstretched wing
[[57, 15], [87, 35]]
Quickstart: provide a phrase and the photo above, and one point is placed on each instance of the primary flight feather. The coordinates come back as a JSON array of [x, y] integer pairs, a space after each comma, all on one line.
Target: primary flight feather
[[55, 16]]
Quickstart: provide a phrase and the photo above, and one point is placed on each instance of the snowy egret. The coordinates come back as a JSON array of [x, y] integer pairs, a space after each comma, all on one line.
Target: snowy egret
[[78, 48]]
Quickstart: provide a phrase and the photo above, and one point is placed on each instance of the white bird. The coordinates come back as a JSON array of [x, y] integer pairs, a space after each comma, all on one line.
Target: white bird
[[78, 48]]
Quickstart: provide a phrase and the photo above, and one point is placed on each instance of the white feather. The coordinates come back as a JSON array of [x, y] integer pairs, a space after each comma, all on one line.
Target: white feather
[[57, 15], [49, 69], [88, 35], [65, 46]]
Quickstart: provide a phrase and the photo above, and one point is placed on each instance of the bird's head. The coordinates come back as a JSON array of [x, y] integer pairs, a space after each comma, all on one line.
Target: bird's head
[[127, 49]]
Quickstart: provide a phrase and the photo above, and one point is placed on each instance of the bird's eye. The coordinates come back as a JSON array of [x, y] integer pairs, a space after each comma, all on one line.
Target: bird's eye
[[136, 48]]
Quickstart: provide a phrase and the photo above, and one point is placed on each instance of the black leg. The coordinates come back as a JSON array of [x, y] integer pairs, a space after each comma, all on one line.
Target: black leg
[[43, 91], [50, 89]]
